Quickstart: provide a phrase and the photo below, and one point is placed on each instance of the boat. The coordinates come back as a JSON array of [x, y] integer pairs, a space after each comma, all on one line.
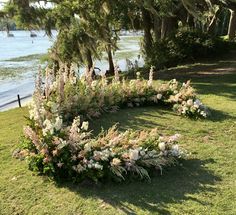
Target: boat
[[32, 34]]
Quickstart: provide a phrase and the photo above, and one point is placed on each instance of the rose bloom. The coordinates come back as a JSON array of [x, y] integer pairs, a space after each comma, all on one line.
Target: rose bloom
[[134, 154], [115, 162], [162, 146], [190, 102], [159, 96]]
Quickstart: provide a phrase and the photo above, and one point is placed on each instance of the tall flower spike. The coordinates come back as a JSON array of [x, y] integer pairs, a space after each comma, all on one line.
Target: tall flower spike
[[72, 75], [151, 76], [116, 71], [47, 81], [61, 85], [89, 75], [39, 82]]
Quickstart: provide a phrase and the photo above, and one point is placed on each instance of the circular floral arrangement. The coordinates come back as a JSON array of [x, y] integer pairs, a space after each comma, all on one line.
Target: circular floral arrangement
[[58, 141]]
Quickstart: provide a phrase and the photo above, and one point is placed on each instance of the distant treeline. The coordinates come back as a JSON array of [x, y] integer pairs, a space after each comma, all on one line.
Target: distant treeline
[[10, 23]]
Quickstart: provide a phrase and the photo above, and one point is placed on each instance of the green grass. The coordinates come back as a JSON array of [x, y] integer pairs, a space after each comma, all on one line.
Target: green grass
[[205, 183], [28, 58], [13, 72]]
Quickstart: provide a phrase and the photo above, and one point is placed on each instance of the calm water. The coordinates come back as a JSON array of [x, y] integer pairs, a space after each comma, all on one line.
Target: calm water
[[17, 76]]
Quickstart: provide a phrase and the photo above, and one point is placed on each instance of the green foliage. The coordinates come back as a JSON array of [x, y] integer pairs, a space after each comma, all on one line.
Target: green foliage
[[187, 46]]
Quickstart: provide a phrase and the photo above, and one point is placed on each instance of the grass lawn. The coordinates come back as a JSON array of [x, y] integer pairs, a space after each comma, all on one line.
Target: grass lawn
[[205, 183]]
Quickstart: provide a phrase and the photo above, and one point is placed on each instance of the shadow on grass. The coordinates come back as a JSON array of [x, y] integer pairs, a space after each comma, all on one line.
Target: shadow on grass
[[132, 118], [177, 184], [218, 79], [174, 186], [219, 116], [148, 118]]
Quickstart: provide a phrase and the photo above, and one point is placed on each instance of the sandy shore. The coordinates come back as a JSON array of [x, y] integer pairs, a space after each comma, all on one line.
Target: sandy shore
[[24, 102]]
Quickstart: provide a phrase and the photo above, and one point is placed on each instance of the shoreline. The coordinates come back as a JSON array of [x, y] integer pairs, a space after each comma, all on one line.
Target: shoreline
[[14, 104]]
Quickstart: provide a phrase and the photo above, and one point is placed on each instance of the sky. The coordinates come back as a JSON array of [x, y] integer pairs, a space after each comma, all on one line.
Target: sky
[[4, 1]]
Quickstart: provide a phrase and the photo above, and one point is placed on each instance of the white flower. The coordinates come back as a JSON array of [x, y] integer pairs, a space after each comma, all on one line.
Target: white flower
[[197, 102], [60, 164], [184, 110], [142, 153], [162, 146], [203, 114], [48, 127], [133, 154], [115, 162], [85, 126], [159, 96], [190, 102], [87, 147], [79, 168], [98, 166], [175, 150], [58, 123]]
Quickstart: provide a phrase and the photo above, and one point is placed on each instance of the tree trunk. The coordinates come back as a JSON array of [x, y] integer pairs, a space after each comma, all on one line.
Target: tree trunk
[[232, 25], [157, 28], [169, 25], [110, 61], [147, 31], [212, 26], [89, 59]]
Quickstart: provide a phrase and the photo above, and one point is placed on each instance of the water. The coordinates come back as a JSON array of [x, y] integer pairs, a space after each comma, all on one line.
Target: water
[[17, 76]]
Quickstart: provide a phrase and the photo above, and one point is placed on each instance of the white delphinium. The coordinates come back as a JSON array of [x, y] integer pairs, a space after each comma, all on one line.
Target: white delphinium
[[58, 123], [48, 127], [72, 76], [116, 71], [47, 82], [32, 112], [74, 130], [150, 80], [53, 107], [60, 85]]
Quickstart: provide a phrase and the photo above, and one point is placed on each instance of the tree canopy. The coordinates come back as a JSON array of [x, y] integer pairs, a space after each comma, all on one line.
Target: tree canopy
[[86, 28]]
